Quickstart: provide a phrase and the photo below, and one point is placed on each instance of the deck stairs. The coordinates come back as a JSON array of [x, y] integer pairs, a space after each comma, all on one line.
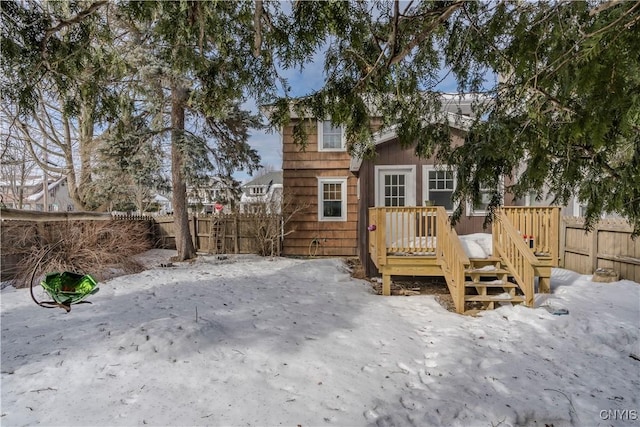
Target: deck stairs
[[489, 284], [420, 241]]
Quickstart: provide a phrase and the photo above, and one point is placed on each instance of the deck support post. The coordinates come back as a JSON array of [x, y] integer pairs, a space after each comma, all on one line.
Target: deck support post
[[544, 285], [386, 284]]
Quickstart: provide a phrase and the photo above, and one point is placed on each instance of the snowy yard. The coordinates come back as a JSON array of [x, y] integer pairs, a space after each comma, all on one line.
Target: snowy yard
[[249, 341]]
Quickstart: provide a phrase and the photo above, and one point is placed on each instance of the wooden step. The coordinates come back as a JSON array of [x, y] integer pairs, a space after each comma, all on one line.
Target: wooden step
[[488, 259], [493, 284], [480, 272], [493, 298]]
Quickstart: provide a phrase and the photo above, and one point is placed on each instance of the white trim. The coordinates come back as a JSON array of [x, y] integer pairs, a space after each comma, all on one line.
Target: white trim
[[411, 188], [425, 181], [332, 180], [320, 124]]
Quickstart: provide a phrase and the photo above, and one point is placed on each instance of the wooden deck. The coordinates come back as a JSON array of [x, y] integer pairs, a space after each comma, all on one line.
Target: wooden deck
[[419, 241]]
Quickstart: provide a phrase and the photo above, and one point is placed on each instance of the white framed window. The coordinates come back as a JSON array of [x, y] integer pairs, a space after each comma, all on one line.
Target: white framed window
[[395, 185], [330, 137], [438, 185], [579, 207], [332, 199], [480, 209]]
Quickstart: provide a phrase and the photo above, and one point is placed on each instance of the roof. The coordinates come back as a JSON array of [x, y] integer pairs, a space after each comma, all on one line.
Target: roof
[[36, 196], [456, 120], [266, 179]]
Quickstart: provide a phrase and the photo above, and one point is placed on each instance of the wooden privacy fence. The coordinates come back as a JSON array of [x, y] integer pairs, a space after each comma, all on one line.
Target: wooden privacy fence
[[23, 232], [608, 245], [227, 233]]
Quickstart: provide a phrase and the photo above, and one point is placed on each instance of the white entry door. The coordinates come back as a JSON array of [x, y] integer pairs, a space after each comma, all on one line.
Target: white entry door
[[395, 186]]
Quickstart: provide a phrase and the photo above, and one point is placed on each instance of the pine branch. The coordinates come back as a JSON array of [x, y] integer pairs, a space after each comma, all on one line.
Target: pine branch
[[420, 38], [68, 22]]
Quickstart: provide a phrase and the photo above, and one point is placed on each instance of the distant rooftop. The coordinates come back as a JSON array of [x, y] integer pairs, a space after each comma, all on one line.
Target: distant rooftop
[[266, 179]]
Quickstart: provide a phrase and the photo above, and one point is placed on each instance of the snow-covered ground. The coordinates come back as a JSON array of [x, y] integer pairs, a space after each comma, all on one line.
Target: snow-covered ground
[[248, 341]]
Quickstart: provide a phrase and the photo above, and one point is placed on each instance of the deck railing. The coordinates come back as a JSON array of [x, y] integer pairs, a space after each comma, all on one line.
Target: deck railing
[[452, 257], [539, 223], [515, 253], [402, 231]]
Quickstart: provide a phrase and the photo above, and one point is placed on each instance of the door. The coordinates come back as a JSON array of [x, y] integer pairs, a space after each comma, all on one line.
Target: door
[[395, 186]]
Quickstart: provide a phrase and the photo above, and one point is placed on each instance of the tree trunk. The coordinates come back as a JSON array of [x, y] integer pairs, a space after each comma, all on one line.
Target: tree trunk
[[184, 244]]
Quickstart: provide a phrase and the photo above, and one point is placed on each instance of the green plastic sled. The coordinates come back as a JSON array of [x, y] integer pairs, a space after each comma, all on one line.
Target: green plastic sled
[[69, 288]]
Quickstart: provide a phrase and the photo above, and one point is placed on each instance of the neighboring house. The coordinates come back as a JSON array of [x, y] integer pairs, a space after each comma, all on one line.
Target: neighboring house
[[15, 192], [58, 199], [204, 198], [164, 204], [263, 193]]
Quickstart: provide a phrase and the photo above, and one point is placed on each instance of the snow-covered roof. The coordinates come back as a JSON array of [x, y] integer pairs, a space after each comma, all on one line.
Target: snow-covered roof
[[160, 199], [37, 196]]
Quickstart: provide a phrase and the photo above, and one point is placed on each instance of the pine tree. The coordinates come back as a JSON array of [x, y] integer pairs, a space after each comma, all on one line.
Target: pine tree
[[205, 63]]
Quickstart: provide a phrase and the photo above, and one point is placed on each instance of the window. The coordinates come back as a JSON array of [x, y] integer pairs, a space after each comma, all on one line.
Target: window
[[579, 207], [256, 191], [395, 185], [439, 182], [330, 138], [332, 199], [481, 207], [394, 190]]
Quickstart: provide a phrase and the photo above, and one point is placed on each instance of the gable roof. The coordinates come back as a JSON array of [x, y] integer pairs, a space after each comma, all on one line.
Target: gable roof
[[40, 194], [456, 120], [267, 179]]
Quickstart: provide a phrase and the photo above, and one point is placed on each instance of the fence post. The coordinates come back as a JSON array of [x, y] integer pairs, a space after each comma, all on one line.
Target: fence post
[[563, 241], [593, 250], [195, 232], [236, 249]]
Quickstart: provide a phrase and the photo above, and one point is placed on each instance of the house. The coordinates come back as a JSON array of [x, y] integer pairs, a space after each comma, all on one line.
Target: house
[[392, 211], [216, 190], [263, 193], [340, 188], [30, 195], [58, 198]]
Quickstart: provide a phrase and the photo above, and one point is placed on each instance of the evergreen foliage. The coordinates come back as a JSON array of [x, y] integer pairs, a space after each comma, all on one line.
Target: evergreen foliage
[[563, 118]]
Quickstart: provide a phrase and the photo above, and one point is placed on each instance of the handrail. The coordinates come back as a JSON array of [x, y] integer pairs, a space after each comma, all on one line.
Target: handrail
[[452, 257], [509, 245], [542, 223]]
